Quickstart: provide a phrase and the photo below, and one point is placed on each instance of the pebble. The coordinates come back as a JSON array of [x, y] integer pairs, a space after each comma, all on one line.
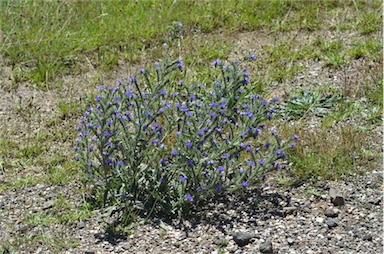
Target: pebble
[[331, 223], [332, 212], [266, 247], [243, 238]]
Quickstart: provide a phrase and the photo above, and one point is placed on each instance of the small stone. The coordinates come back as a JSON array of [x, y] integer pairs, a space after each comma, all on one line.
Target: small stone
[[290, 241], [48, 204], [336, 198], [332, 212], [242, 238], [89, 252], [319, 220], [39, 250], [331, 223], [375, 201], [81, 224], [266, 247], [289, 210], [367, 237]]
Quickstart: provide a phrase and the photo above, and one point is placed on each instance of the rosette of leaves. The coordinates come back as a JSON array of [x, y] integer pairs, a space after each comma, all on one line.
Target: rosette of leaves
[[306, 102]]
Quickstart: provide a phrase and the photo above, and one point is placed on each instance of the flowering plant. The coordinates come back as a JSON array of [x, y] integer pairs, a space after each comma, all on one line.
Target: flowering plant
[[159, 144]]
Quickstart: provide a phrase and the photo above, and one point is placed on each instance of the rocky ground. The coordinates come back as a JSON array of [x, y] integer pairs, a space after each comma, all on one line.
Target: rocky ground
[[302, 219]]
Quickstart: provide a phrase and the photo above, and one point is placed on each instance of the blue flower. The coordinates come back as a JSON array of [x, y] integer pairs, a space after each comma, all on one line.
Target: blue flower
[[119, 163], [180, 64], [188, 144], [189, 197], [261, 161], [173, 152], [264, 102], [218, 187], [108, 161], [190, 162], [106, 134], [252, 56], [245, 184], [163, 161], [180, 82], [182, 178], [296, 137], [200, 132], [167, 104], [292, 144], [212, 114], [163, 92], [251, 164], [225, 155], [220, 168]]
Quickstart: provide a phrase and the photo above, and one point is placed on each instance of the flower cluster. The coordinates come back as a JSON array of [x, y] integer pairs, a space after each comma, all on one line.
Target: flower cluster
[[166, 143]]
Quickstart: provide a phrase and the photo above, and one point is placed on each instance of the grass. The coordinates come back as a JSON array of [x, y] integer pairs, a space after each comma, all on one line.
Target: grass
[[62, 49], [47, 39]]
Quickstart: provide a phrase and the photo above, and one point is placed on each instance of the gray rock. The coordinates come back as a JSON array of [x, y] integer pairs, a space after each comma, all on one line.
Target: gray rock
[[81, 224], [242, 238], [375, 201], [266, 247], [289, 210], [367, 237], [290, 241], [332, 212], [331, 223], [48, 204], [336, 197]]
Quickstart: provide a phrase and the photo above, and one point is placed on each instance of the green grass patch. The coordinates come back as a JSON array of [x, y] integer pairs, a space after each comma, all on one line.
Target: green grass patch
[[43, 39]]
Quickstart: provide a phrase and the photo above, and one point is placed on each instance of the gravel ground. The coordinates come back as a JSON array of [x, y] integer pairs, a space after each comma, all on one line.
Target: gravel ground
[[301, 219]]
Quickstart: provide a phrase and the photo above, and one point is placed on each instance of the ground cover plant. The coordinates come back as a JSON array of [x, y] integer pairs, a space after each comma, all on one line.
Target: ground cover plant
[[323, 60]]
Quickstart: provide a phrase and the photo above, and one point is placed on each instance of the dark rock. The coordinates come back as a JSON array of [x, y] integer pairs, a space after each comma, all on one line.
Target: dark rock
[[242, 238], [336, 197], [367, 237], [332, 212], [266, 247], [331, 223], [89, 252]]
